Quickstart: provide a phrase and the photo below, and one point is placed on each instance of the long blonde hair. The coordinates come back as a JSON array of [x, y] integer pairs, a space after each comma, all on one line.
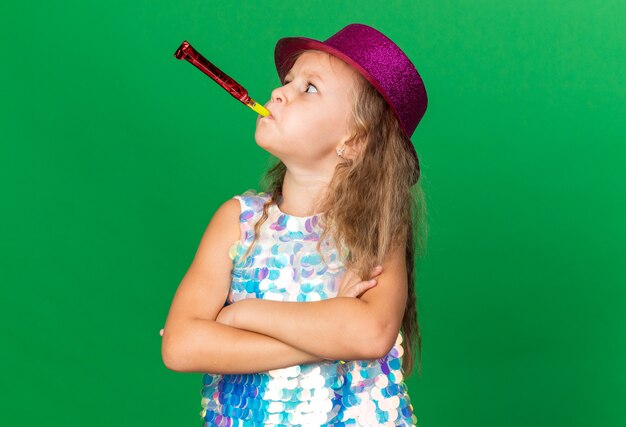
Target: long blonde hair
[[371, 203]]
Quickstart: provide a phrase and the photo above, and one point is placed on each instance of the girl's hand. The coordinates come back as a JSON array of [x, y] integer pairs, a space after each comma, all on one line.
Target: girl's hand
[[352, 286]]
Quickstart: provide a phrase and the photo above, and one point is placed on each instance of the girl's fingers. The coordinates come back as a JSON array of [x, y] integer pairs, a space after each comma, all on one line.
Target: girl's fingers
[[377, 270], [358, 288], [161, 332], [367, 285], [355, 286]]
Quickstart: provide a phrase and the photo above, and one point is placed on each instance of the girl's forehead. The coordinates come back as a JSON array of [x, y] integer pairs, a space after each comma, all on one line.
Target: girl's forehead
[[312, 62], [322, 65]]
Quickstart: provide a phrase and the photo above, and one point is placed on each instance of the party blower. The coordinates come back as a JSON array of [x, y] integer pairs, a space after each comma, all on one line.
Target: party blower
[[186, 51]]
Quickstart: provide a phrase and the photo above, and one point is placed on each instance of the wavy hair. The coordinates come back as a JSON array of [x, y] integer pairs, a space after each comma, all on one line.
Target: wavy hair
[[372, 204]]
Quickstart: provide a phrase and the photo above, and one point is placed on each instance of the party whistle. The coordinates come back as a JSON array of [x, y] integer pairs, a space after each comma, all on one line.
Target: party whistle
[[186, 51]]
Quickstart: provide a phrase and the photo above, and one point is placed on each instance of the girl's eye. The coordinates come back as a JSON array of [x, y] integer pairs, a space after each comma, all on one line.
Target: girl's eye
[[307, 85]]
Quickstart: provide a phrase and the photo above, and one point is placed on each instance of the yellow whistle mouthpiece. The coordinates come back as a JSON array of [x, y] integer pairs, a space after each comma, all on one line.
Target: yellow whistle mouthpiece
[[258, 108]]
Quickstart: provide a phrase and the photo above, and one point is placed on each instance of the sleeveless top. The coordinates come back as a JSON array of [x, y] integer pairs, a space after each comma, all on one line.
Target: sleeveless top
[[284, 265]]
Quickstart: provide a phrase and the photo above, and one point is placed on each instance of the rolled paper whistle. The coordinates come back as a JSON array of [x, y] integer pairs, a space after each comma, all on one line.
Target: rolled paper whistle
[[186, 51]]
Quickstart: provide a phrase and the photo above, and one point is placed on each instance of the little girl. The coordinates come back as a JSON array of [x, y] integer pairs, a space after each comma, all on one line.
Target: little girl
[[309, 317]]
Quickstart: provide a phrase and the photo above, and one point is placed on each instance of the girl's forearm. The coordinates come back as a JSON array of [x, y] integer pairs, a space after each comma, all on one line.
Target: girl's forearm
[[335, 328], [206, 346]]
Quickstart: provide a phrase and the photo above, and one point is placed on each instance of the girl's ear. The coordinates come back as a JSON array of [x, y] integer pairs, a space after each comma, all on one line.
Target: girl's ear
[[353, 148]]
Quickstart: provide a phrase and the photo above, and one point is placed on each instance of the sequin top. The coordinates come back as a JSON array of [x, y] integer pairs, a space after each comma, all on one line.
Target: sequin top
[[285, 265]]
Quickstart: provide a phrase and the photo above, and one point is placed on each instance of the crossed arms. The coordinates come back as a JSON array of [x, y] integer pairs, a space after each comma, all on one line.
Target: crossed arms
[[256, 335]]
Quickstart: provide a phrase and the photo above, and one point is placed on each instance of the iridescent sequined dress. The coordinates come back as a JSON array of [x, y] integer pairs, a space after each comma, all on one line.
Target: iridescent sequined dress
[[284, 265]]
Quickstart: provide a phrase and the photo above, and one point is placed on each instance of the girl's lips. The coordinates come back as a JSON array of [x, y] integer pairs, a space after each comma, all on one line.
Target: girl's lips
[[271, 116]]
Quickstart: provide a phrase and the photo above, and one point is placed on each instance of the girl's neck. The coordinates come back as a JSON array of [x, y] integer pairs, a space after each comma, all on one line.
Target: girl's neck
[[301, 200]]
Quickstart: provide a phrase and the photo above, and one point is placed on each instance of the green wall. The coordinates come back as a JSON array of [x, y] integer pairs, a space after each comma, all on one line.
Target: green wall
[[114, 155]]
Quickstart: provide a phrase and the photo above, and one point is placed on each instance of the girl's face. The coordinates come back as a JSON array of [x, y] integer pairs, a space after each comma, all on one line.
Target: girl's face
[[310, 113]]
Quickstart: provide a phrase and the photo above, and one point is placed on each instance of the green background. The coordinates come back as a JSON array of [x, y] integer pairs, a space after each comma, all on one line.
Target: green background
[[114, 156]]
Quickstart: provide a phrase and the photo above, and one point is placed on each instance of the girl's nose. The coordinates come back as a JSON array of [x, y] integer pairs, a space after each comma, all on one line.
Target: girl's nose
[[278, 94]]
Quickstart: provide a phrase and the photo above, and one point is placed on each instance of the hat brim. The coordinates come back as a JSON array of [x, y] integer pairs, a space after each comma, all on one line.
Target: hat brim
[[287, 46]]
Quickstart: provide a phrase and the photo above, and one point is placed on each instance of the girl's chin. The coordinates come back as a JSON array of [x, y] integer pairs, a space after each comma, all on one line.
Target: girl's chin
[[271, 147], [263, 142], [264, 137]]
